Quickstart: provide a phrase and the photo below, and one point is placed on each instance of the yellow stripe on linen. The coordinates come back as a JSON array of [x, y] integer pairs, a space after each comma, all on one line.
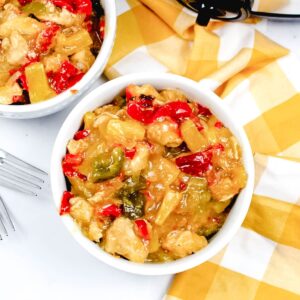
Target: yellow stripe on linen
[[283, 122], [267, 291], [290, 234], [172, 52], [261, 137], [230, 285], [168, 10], [265, 50], [204, 55], [195, 283], [151, 27], [131, 37], [276, 87], [268, 217]]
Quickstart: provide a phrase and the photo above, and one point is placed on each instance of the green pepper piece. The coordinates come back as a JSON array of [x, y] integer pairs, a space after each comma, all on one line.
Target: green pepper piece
[[35, 8], [133, 205], [133, 200], [108, 166]]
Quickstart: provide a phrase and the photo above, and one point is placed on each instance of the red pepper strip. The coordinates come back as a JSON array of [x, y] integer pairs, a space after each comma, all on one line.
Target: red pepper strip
[[24, 2], [102, 28], [136, 111], [46, 36], [204, 111], [142, 229], [111, 210], [65, 77], [72, 159], [75, 6], [81, 134], [176, 110], [65, 203], [69, 164], [219, 124], [199, 163], [195, 164], [130, 153]]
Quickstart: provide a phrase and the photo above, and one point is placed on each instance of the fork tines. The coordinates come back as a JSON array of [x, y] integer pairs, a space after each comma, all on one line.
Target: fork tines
[[5, 218], [19, 175]]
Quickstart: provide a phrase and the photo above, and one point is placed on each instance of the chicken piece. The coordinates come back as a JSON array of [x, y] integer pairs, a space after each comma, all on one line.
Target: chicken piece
[[223, 190], [183, 243], [165, 133], [162, 170], [139, 162], [173, 95], [16, 49], [28, 27], [122, 240], [76, 147], [83, 59], [54, 62], [95, 232], [8, 12], [81, 210], [61, 16], [169, 203]]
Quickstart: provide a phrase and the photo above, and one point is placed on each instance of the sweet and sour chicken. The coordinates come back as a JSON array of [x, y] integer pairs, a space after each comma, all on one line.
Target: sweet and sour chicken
[[152, 175], [46, 46]]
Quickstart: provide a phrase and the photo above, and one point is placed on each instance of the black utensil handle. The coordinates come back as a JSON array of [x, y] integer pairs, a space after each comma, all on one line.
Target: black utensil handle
[[275, 15]]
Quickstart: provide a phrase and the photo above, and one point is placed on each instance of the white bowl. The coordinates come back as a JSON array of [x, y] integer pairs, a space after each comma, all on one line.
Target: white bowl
[[62, 100], [105, 94]]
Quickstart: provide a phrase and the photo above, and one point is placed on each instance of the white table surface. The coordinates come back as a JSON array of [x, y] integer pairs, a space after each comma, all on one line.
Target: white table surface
[[41, 260]]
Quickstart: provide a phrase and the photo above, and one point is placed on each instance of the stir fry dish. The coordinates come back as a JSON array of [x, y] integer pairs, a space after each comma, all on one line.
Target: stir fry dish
[[152, 176], [46, 46]]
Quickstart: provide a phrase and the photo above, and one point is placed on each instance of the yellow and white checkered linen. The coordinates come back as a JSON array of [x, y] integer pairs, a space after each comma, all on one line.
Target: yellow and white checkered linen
[[259, 80]]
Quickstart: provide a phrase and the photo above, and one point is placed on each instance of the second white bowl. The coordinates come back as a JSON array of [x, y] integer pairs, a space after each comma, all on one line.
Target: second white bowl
[[62, 100], [104, 95]]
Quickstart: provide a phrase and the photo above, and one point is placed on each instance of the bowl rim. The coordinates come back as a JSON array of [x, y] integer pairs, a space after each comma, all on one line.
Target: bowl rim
[[238, 211], [89, 77]]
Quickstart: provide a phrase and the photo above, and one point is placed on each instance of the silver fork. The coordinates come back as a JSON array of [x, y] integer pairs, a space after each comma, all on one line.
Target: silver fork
[[19, 175], [5, 218]]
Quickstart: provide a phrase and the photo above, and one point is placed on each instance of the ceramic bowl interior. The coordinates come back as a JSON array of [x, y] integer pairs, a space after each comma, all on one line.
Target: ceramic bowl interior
[[104, 95], [64, 99]]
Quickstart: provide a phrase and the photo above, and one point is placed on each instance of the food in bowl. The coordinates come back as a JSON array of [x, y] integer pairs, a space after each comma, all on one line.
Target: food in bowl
[[151, 176], [46, 47]]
